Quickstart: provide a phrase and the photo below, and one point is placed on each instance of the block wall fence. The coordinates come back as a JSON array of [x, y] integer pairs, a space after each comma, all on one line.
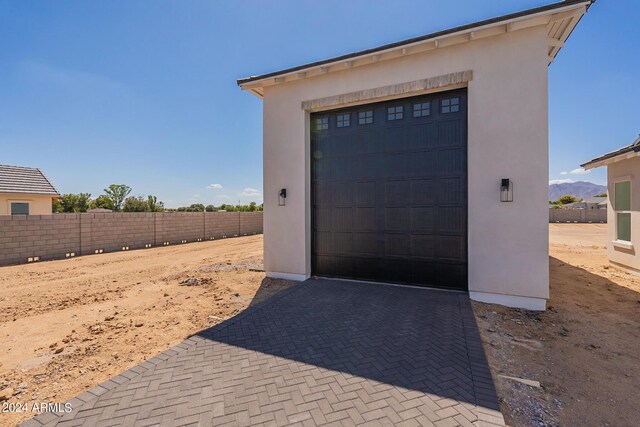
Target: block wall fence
[[578, 215], [25, 238]]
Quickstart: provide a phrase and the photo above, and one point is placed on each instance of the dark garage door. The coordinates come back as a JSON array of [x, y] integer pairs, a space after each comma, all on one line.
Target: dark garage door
[[389, 191]]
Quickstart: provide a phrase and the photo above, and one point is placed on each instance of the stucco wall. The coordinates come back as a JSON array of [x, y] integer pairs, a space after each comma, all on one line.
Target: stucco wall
[[38, 204], [623, 256], [508, 124]]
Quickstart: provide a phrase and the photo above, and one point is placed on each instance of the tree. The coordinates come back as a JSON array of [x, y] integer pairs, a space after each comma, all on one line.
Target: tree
[[74, 202], [102, 202], [117, 193], [153, 205], [135, 204], [56, 206], [252, 207], [601, 195], [567, 198], [210, 208]]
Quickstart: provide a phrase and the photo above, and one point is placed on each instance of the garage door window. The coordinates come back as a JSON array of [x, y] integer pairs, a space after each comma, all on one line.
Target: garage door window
[[344, 120], [422, 109], [19, 208], [365, 117], [622, 205], [395, 113], [322, 123], [451, 105]]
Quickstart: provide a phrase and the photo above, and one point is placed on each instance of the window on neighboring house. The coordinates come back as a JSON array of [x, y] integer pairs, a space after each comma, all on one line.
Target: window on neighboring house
[[344, 120], [451, 105], [622, 206], [422, 109], [365, 117], [19, 208], [322, 123], [395, 113]]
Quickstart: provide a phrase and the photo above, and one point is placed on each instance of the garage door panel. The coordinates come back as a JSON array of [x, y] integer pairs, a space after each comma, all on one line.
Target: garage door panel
[[450, 133], [389, 198], [322, 219], [365, 193], [451, 162], [397, 245], [342, 219], [451, 248], [451, 191], [423, 246], [365, 219], [397, 219], [394, 165], [451, 220], [365, 244], [397, 193], [342, 193], [424, 191], [323, 242], [393, 270], [343, 243]]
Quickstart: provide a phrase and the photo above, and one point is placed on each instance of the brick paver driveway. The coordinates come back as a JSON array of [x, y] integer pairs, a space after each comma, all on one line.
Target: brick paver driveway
[[323, 352]]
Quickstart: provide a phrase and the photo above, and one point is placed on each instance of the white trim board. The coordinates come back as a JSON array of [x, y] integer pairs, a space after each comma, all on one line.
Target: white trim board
[[287, 276], [528, 303]]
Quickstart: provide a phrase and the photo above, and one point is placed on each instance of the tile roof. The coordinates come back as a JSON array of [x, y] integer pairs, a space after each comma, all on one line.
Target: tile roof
[[633, 148], [20, 179]]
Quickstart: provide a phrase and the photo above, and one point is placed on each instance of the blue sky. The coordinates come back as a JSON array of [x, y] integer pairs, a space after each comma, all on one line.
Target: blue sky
[[143, 92]]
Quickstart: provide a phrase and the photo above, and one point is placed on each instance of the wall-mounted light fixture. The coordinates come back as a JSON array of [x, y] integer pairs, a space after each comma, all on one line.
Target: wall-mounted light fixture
[[282, 195], [506, 190]]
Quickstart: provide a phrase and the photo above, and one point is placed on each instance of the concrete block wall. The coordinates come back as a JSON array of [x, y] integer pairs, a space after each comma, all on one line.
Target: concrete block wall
[[251, 223], [61, 235], [174, 227], [578, 215], [112, 231], [43, 236], [223, 224]]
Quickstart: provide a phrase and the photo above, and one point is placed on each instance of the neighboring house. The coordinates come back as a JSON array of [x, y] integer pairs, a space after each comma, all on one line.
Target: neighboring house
[[588, 203], [388, 164], [25, 190], [99, 210], [623, 176]]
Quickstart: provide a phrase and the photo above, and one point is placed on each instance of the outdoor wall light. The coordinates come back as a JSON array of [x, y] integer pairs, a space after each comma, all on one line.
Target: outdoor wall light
[[506, 190], [282, 195]]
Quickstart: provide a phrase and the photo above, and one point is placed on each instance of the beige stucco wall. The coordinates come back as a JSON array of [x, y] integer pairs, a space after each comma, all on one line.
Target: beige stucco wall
[[507, 107], [38, 204], [624, 257]]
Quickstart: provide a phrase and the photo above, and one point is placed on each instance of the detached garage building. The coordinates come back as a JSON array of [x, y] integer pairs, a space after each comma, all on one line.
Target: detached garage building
[[399, 163]]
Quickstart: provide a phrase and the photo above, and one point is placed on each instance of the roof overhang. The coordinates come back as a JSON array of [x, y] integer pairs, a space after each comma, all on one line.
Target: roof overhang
[[559, 18], [624, 153]]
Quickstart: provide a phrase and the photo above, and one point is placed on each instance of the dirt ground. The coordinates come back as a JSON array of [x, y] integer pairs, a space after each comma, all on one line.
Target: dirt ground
[[68, 325], [584, 350]]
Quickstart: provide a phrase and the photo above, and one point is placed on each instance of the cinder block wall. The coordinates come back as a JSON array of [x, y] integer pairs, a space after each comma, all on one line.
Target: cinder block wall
[[578, 215], [63, 235]]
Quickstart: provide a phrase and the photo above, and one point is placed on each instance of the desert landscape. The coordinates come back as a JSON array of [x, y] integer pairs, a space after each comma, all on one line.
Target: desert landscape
[[69, 325], [584, 351]]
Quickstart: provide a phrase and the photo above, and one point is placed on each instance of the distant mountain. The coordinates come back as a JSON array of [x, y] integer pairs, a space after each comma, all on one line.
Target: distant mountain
[[580, 189]]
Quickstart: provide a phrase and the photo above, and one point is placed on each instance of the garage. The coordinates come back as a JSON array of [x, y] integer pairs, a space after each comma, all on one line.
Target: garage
[[423, 161], [389, 191]]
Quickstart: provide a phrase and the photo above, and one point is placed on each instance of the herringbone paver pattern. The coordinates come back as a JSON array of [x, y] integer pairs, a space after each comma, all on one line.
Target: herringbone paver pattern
[[322, 353]]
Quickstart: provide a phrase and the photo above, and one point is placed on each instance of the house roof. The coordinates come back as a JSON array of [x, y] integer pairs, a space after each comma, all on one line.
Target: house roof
[[20, 179], [566, 15], [623, 153], [595, 200]]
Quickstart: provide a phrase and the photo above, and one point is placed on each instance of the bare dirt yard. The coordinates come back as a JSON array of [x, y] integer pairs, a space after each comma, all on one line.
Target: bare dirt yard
[[68, 325], [584, 350]]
